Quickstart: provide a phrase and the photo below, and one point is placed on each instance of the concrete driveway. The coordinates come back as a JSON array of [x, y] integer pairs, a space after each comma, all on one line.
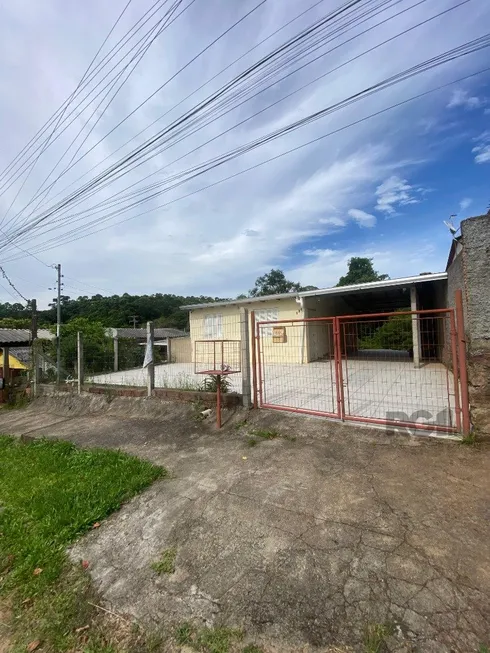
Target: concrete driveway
[[300, 542]]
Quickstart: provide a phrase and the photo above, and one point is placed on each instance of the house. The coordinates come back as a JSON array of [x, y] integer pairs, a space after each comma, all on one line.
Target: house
[[173, 344], [373, 362], [295, 344], [14, 360]]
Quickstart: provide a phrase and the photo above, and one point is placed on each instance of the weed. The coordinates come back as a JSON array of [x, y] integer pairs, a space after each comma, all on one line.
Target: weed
[[55, 492], [375, 637], [207, 640], [266, 434], [166, 564], [184, 634], [252, 442], [217, 640], [210, 384], [469, 440], [241, 424], [483, 648]]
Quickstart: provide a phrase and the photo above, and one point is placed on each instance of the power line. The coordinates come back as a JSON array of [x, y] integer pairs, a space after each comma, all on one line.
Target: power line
[[117, 47], [9, 281], [195, 171], [51, 245], [242, 77]]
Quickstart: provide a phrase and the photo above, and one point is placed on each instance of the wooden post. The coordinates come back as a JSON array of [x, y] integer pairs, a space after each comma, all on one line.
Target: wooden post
[[6, 373], [463, 371], [34, 350], [80, 362], [415, 327], [150, 365], [116, 354], [245, 358]]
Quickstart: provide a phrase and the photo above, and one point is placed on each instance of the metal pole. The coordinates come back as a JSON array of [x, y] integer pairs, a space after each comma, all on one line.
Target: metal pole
[[463, 371], [218, 400], [415, 327], [58, 326]]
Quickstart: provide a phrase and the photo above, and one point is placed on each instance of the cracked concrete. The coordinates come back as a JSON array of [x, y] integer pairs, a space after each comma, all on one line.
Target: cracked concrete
[[300, 543]]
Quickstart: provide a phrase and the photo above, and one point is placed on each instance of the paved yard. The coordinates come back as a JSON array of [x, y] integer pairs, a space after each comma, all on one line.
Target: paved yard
[[373, 388], [302, 542]]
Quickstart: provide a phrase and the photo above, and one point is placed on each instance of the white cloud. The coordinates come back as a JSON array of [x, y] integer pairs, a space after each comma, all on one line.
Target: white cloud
[[218, 241], [461, 98], [362, 218], [465, 203], [482, 150], [394, 192]]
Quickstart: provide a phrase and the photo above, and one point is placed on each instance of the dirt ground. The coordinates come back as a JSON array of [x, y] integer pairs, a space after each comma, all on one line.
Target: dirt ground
[[302, 542]]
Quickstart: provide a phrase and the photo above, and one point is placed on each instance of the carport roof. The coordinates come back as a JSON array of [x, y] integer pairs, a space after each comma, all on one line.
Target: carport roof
[[21, 337], [336, 290]]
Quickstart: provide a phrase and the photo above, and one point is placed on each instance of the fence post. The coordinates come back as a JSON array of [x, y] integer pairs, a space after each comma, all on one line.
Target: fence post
[[80, 362], [116, 354], [463, 371], [149, 360], [245, 358], [35, 367], [254, 359], [415, 327]]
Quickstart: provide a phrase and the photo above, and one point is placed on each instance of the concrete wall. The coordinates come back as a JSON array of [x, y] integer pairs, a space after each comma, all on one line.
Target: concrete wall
[[470, 272], [291, 351], [180, 350]]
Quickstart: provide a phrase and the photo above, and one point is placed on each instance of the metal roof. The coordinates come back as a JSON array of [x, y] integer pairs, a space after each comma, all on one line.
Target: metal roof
[[141, 333], [336, 290], [22, 336]]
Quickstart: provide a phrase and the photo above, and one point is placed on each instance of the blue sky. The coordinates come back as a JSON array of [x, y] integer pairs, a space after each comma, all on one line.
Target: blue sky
[[381, 188]]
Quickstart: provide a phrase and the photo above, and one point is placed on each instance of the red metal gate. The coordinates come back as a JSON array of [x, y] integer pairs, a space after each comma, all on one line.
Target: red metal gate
[[399, 368]]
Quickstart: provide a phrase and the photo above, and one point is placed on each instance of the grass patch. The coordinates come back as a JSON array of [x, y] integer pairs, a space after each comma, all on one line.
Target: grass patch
[[375, 637], [469, 440], [241, 424], [266, 434], [252, 442], [166, 563], [51, 493], [207, 640]]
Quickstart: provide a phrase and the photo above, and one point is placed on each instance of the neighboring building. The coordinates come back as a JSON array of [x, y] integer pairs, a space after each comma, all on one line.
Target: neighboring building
[[164, 339]]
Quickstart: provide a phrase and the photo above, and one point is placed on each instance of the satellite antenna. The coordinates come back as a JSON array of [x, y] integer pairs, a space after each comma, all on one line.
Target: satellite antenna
[[450, 225]]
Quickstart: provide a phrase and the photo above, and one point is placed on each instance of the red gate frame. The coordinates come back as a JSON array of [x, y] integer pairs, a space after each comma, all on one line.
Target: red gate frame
[[458, 351]]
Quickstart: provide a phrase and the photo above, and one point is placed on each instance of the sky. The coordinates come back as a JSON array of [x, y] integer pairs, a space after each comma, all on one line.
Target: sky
[[379, 186]]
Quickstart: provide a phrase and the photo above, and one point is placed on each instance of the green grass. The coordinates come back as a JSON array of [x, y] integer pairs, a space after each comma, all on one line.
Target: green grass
[[375, 637], [266, 434], [166, 563], [208, 640], [252, 442], [51, 493]]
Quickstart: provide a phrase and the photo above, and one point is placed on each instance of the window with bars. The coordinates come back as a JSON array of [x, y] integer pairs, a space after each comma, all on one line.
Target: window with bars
[[266, 315], [213, 326]]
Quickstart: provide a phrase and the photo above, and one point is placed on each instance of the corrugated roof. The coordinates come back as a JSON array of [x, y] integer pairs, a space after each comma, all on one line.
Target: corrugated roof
[[336, 290], [22, 336], [162, 332]]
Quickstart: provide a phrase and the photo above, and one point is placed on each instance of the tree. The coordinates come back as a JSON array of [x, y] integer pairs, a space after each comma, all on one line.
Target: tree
[[97, 347], [360, 271], [275, 283]]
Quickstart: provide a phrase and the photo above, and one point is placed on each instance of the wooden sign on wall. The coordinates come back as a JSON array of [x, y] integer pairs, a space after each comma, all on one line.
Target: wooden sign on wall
[[279, 334]]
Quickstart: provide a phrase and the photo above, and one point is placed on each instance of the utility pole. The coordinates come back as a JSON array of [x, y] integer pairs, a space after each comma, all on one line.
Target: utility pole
[[133, 318], [58, 325]]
